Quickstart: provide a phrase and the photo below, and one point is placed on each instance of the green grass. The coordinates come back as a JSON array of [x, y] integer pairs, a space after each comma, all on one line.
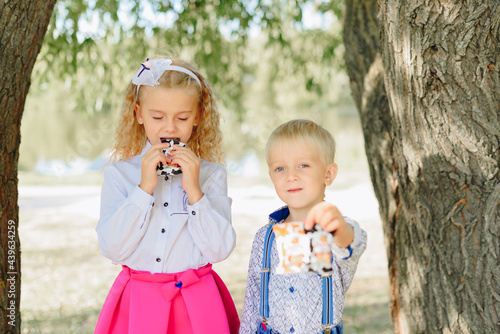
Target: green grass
[[60, 321], [366, 309]]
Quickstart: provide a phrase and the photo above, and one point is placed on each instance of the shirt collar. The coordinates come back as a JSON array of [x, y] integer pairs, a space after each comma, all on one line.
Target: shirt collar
[[280, 214]]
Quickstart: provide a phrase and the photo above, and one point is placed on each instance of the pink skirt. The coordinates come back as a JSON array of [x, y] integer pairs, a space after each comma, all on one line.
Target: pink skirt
[[189, 302]]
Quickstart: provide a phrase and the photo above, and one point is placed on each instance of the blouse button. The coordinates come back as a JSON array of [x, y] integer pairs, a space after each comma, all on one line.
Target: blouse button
[[292, 289], [165, 204], [158, 259], [193, 213], [292, 330], [162, 230], [153, 204]]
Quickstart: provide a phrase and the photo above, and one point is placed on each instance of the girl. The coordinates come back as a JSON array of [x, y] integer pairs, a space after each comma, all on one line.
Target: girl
[[167, 232]]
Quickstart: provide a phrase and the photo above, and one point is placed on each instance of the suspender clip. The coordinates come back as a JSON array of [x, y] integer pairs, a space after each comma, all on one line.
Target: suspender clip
[[264, 324], [328, 329], [265, 270]]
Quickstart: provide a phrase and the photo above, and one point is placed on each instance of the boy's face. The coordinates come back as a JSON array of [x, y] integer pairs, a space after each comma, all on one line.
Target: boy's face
[[299, 175]]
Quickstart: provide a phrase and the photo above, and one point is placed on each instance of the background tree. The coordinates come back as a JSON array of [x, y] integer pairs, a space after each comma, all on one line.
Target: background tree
[[425, 78], [23, 25], [93, 46]]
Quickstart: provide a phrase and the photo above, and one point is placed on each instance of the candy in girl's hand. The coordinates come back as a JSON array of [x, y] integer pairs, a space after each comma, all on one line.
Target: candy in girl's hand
[[169, 169]]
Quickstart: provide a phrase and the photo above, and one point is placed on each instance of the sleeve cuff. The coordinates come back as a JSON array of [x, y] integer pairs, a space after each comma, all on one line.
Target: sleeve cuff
[[141, 198], [194, 209], [346, 253]]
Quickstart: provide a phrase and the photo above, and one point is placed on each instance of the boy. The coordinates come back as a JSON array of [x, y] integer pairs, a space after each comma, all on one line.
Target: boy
[[300, 155]]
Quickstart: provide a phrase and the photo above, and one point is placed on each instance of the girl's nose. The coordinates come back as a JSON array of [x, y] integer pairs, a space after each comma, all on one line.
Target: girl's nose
[[169, 126]]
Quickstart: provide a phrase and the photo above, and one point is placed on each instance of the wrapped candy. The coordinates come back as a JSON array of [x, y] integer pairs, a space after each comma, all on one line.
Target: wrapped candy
[[300, 251], [169, 169]]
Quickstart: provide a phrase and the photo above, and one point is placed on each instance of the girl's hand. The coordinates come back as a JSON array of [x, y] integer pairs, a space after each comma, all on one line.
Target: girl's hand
[[329, 218], [190, 166], [149, 161]]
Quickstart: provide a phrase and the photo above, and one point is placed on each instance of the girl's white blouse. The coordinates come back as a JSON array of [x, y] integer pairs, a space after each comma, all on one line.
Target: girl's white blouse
[[163, 233]]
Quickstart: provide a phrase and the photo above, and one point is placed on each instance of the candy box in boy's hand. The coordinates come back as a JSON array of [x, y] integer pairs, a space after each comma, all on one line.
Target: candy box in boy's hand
[[293, 248], [321, 249], [300, 251]]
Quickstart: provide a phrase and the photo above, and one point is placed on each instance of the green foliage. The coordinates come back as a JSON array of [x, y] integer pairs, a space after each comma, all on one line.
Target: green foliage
[[268, 62], [111, 34]]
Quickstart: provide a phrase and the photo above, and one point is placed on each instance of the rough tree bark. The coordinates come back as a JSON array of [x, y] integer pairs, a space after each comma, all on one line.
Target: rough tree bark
[[365, 68], [23, 24], [434, 154]]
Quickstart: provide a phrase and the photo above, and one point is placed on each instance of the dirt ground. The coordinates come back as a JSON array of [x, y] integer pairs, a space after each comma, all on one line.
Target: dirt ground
[[65, 279]]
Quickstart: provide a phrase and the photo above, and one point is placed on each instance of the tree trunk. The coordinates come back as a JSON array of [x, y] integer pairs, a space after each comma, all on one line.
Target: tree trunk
[[434, 155], [23, 24], [365, 68]]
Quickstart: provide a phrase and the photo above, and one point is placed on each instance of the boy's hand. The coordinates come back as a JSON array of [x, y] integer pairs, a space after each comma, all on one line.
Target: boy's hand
[[149, 161], [190, 166], [329, 218]]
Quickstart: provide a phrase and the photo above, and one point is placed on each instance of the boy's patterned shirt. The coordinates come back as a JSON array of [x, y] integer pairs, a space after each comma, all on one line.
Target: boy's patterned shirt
[[296, 300]]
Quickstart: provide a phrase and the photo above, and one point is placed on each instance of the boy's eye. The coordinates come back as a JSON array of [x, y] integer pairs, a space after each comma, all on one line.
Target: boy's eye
[[279, 169], [303, 166]]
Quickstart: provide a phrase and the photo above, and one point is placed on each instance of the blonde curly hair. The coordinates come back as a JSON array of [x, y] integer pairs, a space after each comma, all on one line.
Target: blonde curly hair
[[206, 138]]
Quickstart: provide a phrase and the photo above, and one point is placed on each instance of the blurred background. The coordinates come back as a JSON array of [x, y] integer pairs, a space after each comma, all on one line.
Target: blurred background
[[269, 62]]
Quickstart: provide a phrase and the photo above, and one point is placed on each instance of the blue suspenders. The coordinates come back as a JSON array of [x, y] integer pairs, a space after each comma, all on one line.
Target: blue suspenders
[[327, 301], [265, 273], [264, 289]]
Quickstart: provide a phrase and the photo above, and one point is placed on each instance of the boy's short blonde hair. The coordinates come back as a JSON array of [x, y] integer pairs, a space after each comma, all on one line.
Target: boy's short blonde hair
[[310, 133]]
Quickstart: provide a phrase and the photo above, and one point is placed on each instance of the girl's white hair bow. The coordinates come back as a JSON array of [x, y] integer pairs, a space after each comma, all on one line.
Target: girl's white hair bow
[[152, 70]]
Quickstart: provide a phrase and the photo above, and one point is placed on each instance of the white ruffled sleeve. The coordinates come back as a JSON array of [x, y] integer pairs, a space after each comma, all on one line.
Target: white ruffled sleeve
[[125, 215], [209, 221]]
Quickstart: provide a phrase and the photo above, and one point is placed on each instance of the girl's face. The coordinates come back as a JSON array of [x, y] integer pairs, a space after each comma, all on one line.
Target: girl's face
[[167, 113]]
